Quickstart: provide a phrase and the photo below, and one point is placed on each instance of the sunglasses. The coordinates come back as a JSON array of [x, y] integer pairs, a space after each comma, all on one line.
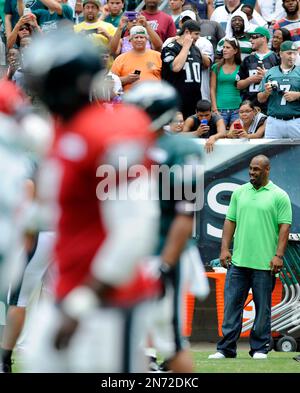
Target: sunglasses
[[255, 36], [232, 39], [24, 28]]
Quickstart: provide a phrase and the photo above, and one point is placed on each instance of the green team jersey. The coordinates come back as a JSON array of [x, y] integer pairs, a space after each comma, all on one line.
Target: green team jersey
[[48, 21], [114, 20], [277, 104], [180, 170]]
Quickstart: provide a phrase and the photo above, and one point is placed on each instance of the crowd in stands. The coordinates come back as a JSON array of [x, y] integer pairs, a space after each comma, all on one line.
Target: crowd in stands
[[214, 51]]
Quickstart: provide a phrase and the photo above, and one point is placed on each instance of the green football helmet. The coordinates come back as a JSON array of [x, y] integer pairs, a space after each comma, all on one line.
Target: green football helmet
[[158, 99]]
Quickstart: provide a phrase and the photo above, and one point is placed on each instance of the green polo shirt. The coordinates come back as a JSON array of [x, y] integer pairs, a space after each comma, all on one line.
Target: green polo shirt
[[257, 214]]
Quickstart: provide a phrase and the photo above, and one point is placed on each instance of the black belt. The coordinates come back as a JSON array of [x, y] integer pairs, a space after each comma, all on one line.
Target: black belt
[[286, 117]]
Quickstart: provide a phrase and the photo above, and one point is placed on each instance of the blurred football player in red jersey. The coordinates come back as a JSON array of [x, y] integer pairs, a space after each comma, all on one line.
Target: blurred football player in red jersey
[[104, 226]]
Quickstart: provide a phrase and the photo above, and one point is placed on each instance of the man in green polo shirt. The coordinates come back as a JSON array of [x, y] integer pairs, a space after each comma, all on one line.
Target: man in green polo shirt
[[258, 218]]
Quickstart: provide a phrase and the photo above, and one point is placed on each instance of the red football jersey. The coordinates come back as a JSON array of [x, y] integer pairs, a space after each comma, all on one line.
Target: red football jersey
[[80, 147]]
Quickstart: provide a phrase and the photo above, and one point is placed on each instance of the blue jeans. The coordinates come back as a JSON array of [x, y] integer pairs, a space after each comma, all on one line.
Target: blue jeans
[[238, 282], [229, 116]]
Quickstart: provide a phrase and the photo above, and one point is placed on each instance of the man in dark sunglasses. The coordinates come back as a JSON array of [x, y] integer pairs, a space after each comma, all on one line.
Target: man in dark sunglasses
[[255, 36], [253, 67]]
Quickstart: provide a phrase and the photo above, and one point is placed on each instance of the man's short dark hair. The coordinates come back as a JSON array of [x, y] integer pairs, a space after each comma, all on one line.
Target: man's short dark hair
[[247, 6], [190, 25], [203, 106]]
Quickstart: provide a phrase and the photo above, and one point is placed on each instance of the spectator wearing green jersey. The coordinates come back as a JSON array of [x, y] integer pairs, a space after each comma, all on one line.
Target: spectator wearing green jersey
[[112, 12], [49, 18], [281, 90]]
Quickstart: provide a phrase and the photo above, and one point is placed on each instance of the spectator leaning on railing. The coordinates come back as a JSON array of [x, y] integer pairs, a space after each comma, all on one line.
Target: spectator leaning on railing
[[205, 124], [281, 90], [251, 123]]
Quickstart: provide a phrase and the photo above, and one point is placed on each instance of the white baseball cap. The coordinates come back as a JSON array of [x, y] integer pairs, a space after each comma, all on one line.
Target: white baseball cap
[[138, 30], [189, 14]]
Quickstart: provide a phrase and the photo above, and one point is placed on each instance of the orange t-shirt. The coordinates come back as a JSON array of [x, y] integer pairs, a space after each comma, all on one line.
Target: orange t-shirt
[[149, 63]]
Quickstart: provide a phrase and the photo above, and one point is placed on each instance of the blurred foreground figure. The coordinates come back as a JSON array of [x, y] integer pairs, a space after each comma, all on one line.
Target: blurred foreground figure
[[23, 135], [13, 169], [180, 186], [17, 141], [105, 223]]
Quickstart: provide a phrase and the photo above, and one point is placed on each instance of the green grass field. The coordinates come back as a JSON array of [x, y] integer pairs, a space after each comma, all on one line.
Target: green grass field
[[277, 362]]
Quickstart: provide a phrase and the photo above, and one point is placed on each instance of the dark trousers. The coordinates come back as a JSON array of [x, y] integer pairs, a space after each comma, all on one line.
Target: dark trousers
[[239, 280]]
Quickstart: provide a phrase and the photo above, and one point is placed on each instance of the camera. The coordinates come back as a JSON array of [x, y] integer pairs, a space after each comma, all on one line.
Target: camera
[[237, 126], [131, 15], [274, 85]]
